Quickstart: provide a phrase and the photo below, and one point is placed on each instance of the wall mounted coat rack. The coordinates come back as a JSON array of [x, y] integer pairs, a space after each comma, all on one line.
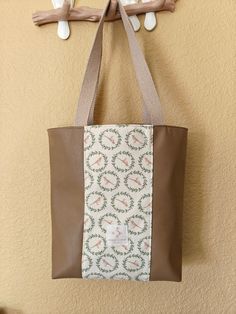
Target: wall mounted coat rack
[[64, 11]]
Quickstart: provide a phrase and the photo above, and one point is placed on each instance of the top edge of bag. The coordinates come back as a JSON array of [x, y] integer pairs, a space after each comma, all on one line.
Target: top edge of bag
[[118, 124]]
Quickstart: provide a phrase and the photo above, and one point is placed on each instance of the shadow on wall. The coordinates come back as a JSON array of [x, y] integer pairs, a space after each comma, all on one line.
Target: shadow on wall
[[193, 250], [4, 310]]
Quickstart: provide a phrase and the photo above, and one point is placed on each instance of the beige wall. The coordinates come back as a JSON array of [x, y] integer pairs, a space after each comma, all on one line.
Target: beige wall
[[192, 58]]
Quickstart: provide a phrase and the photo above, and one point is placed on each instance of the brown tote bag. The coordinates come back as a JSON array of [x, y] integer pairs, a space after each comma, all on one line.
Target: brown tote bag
[[117, 190]]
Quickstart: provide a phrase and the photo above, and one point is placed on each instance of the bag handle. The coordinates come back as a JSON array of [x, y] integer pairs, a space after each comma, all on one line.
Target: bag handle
[[151, 101]]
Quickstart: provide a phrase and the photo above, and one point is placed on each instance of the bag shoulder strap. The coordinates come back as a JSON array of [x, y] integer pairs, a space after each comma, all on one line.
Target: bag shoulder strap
[[151, 101]]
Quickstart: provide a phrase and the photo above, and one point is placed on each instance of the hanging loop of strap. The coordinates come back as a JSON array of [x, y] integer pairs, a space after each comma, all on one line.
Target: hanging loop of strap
[[151, 101]]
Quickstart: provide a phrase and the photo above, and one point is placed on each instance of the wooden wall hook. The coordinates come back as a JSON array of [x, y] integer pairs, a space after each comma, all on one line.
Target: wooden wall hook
[[66, 13]]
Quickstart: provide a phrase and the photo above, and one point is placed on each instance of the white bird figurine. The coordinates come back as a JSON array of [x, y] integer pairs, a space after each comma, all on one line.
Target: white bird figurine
[[63, 29], [133, 19], [150, 20]]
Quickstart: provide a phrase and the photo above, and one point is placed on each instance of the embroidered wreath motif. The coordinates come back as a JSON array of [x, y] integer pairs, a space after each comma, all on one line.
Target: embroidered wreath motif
[[123, 161], [133, 263], [88, 179], [108, 181], [122, 202], [136, 139], [109, 139], [137, 224], [96, 161], [143, 277], [96, 201], [88, 223], [135, 181], [145, 204], [94, 276], [95, 244], [146, 161], [121, 276], [89, 139], [144, 245], [107, 263]]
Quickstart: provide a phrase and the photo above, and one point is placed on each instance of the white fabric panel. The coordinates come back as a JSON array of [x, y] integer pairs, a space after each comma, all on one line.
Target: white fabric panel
[[118, 170]]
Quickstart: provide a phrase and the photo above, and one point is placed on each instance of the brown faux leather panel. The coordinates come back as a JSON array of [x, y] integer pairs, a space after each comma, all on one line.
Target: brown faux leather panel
[[168, 186], [67, 200]]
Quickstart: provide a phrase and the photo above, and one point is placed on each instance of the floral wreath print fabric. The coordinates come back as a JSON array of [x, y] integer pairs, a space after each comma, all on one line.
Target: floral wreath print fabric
[[118, 179]]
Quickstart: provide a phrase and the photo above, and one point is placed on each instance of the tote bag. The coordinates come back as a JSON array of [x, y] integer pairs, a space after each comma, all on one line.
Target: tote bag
[[117, 190]]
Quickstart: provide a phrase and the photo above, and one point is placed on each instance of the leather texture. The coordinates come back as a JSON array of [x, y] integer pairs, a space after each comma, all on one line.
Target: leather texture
[[169, 150], [67, 201]]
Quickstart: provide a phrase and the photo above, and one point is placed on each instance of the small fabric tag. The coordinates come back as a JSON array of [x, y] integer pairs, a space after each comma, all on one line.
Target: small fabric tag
[[116, 235]]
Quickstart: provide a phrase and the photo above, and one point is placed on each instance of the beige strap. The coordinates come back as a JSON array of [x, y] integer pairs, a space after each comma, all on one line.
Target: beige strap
[[151, 101]]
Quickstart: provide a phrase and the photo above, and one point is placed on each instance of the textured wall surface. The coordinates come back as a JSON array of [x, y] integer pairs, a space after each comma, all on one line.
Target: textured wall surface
[[192, 56]]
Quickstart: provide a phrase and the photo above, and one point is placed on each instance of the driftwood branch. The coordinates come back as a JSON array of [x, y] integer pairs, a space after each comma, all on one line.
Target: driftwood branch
[[66, 13]]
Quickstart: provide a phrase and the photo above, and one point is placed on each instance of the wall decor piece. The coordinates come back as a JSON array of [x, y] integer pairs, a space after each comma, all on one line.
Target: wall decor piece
[[132, 18], [117, 189], [150, 20], [63, 30], [64, 11]]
